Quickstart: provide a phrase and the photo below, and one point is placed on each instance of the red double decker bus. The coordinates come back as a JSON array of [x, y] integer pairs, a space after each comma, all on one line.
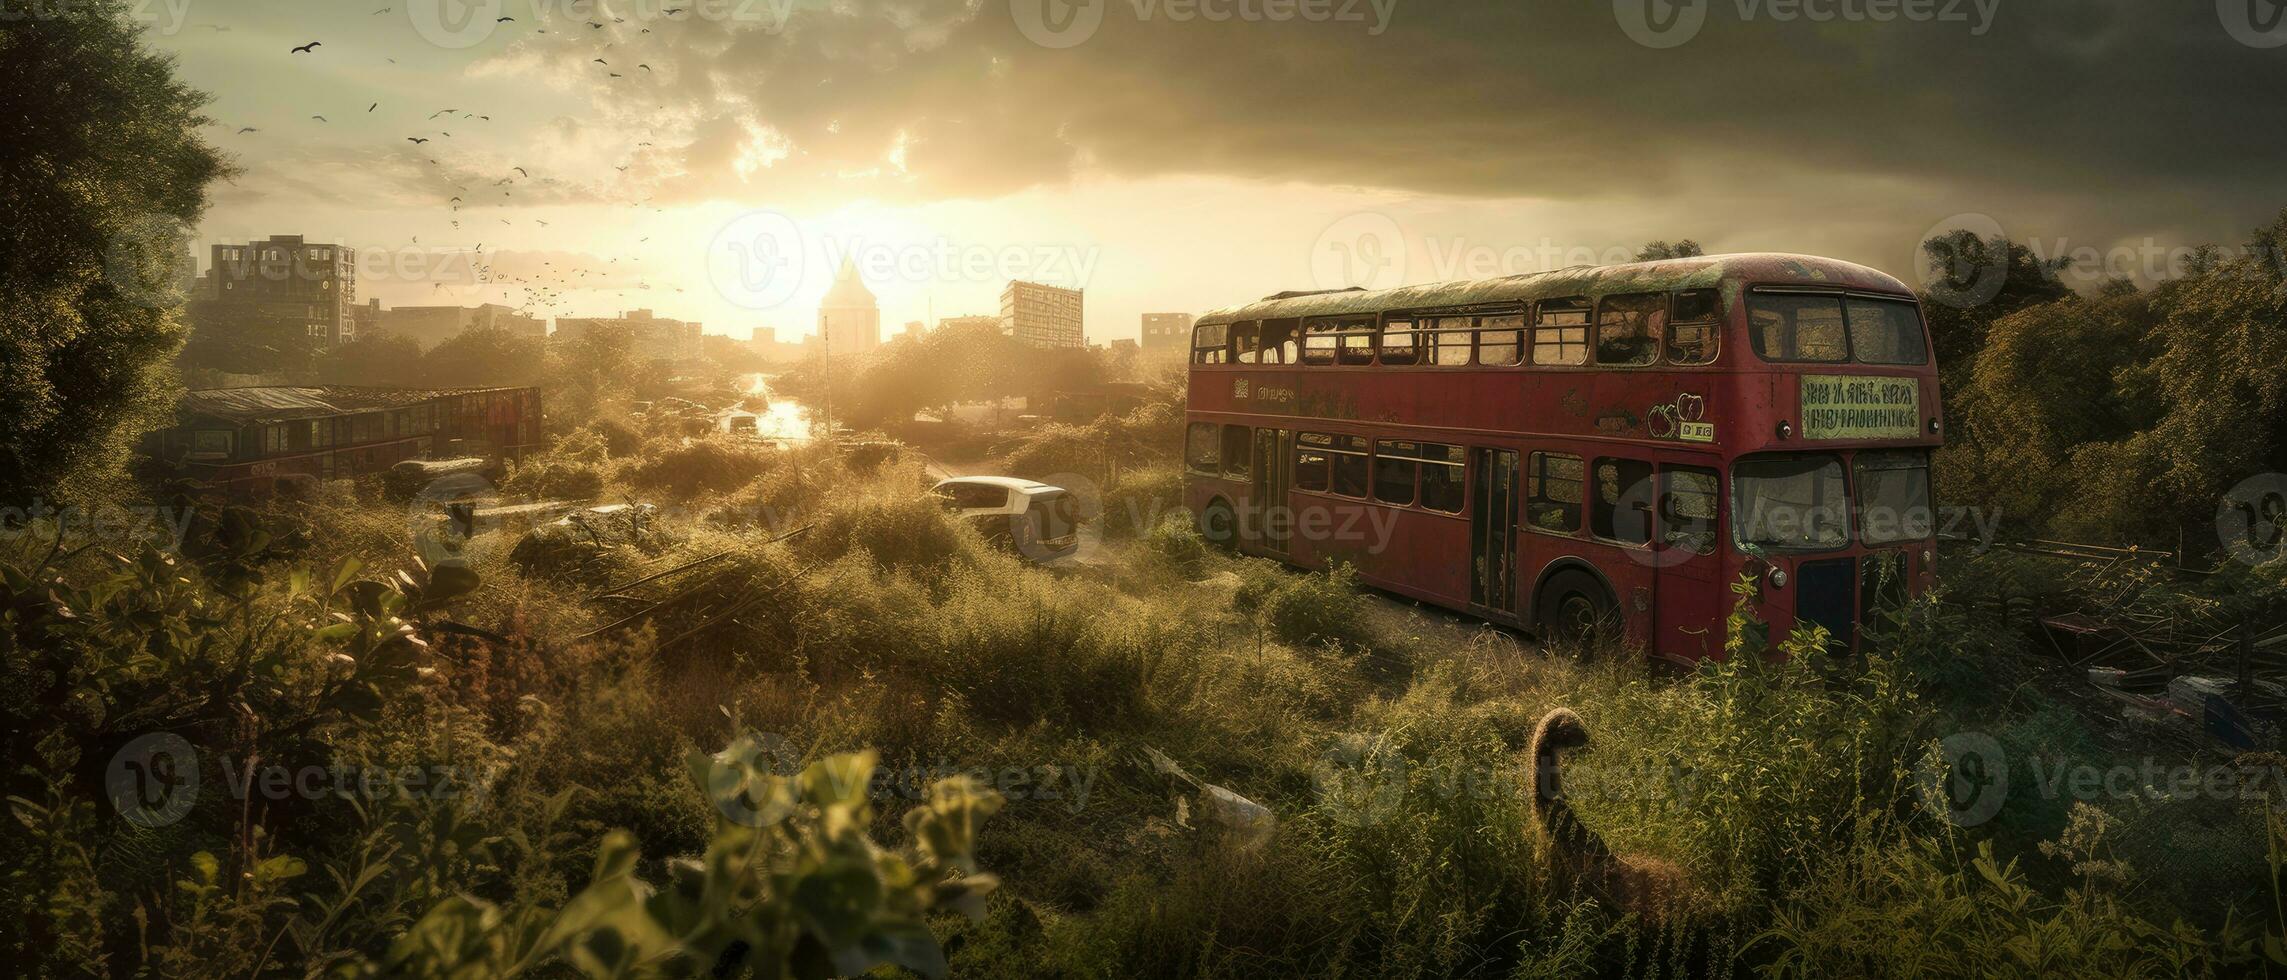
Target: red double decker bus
[[1585, 448]]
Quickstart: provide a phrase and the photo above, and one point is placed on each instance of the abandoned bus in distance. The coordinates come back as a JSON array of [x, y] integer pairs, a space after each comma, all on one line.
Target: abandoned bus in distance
[[1571, 450]]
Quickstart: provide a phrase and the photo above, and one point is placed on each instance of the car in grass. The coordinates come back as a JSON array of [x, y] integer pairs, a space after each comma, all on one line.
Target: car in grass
[[1036, 520]]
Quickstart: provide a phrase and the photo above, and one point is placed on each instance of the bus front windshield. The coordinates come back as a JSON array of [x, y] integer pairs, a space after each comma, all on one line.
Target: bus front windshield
[[1790, 503], [1893, 497]]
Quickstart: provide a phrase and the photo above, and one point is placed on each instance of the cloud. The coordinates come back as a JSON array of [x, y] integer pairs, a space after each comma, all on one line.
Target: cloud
[[1476, 100]]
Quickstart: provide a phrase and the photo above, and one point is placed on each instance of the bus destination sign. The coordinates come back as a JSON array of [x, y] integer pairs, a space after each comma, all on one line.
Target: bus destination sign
[[1844, 407]]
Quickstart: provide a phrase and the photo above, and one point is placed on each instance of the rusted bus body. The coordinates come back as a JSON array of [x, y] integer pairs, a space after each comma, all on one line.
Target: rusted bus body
[[1724, 418], [249, 442]]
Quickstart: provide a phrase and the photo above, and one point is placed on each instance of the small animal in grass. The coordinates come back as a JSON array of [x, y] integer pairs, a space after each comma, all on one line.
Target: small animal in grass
[[1648, 886]]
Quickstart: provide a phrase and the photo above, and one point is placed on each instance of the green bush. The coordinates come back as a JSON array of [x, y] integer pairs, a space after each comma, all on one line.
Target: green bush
[[684, 468], [1176, 544], [1140, 499]]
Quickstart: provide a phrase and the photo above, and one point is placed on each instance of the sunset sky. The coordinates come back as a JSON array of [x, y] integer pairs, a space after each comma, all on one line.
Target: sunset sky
[[1179, 155]]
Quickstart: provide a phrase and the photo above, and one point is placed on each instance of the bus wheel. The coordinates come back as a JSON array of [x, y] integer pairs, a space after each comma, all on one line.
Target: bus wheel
[[1575, 609], [1219, 525]]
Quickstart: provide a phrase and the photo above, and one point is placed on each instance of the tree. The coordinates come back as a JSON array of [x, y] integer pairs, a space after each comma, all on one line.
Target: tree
[[380, 359], [1973, 282], [483, 357], [1683, 248], [101, 173]]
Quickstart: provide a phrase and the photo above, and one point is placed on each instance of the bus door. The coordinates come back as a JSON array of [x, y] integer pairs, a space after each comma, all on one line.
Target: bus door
[[1274, 475], [1692, 599], [1493, 530]]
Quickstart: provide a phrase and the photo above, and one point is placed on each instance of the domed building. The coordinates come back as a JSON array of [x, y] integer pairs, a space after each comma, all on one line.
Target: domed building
[[848, 318]]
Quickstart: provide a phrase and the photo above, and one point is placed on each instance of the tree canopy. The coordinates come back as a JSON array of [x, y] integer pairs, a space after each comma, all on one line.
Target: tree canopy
[[102, 171]]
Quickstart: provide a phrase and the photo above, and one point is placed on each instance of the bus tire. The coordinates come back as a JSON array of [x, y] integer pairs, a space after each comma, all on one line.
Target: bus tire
[[1219, 525], [1573, 607]]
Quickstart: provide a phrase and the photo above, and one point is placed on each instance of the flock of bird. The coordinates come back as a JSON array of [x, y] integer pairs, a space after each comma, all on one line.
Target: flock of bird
[[546, 289]]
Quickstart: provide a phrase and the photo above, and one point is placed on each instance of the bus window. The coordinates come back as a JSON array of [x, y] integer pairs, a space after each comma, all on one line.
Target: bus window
[[1552, 492], [1622, 509], [1693, 327], [1442, 487], [1797, 327], [1357, 338], [1396, 465], [1501, 340], [1311, 461], [1200, 450], [1560, 332], [1277, 342], [1790, 503], [1628, 328], [1350, 466], [1237, 442], [1319, 340], [1399, 343], [1884, 331], [1207, 343], [1447, 343], [1243, 349], [1688, 496], [1893, 497]]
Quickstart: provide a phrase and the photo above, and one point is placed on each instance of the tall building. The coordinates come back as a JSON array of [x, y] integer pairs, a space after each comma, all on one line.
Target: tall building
[[433, 325], [279, 289], [655, 337], [1041, 315], [848, 318], [1165, 333]]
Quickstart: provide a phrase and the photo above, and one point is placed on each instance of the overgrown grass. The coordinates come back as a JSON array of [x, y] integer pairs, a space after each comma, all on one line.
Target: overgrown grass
[[1783, 790]]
